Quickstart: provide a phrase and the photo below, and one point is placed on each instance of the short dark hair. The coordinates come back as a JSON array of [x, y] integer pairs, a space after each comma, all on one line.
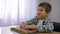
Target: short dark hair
[[46, 6]]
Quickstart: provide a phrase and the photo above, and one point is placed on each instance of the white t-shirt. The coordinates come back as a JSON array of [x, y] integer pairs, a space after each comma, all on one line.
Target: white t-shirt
[[40, 23]]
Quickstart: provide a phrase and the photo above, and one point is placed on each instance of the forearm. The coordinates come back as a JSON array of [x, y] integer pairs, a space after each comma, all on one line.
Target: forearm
[[34, 27]]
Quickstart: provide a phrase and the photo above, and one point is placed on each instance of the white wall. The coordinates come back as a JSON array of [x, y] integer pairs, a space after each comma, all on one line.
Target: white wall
[[0, 30], [55, 10]]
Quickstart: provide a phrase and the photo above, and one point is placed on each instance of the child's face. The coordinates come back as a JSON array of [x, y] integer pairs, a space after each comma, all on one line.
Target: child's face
[[41, 13]]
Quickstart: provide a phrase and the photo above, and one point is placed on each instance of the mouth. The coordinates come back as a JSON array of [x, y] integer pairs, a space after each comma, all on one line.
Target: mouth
[[38, 14]]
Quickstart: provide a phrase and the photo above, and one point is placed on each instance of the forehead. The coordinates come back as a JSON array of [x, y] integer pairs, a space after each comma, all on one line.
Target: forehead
[[40, 7]]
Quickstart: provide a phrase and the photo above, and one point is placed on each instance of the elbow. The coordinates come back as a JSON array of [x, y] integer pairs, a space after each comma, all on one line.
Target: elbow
[[50, 30]]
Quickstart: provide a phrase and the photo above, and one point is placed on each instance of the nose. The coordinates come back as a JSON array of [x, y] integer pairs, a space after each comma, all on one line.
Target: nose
[[39, 11]]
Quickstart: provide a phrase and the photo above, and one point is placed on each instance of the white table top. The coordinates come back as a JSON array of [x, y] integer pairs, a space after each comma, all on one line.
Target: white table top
[[0, 30], [6, 30]]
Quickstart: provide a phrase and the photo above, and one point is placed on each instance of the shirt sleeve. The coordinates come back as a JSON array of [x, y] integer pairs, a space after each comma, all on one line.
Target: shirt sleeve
[[29, 22], [32, 21], [47, 27]]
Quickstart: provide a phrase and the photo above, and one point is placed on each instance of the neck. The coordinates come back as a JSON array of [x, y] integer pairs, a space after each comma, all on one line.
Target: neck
[[42, 18]]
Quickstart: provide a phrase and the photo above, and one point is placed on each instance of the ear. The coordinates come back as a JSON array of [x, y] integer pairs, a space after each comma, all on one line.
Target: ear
[[47, 14]]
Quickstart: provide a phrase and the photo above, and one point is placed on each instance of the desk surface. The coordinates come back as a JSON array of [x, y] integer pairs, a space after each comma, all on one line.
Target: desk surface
[[28, 31], [6, 30]]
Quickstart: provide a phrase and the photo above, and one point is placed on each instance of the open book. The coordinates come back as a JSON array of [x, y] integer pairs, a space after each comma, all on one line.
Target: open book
[[19, 30]]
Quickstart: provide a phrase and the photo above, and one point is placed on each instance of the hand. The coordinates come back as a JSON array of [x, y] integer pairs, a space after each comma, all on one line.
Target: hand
[[22, 25], [30, 27], [26, 27]]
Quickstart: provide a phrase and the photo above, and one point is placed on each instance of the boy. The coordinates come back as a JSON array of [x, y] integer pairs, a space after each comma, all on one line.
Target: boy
[[41, 22]]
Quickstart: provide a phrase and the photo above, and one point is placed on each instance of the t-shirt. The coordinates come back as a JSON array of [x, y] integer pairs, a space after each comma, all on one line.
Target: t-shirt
[[40, 23]]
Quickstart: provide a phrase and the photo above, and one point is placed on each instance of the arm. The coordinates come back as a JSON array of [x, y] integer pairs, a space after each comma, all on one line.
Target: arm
[[29, 27], [46, 28], [27, 23], [33, 27], [32, 21]]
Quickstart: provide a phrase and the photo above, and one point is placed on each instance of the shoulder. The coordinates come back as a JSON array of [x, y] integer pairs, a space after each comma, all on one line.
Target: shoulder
[[48, 20]]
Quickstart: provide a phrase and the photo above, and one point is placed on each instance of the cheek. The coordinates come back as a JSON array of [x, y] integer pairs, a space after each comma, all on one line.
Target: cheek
[[42, 14], [38, 13]]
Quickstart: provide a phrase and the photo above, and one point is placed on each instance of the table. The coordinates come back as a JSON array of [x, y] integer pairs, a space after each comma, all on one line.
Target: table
[[6, 30], [21, 31]]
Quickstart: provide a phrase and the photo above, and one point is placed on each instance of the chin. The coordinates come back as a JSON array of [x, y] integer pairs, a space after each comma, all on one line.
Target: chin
[[38, 16]]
